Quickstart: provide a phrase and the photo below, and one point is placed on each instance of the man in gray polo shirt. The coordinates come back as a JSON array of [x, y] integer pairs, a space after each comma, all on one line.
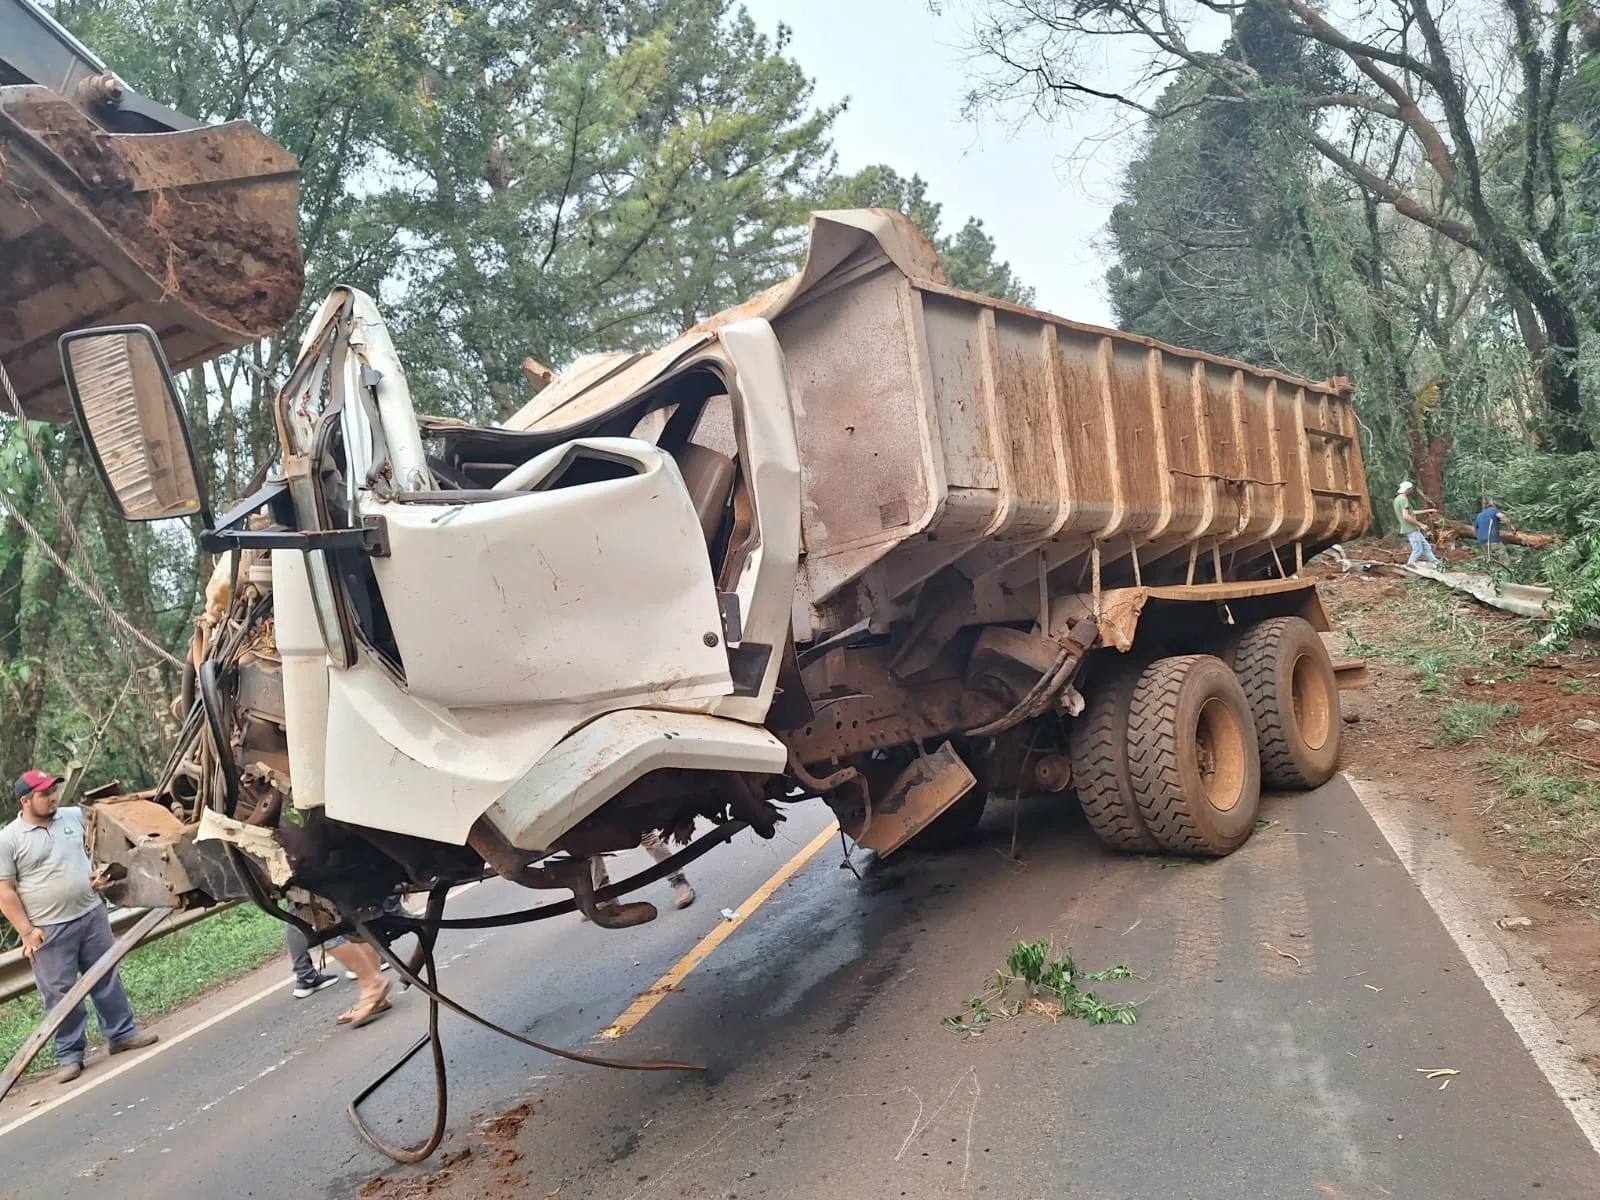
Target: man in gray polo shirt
[[46, 895]]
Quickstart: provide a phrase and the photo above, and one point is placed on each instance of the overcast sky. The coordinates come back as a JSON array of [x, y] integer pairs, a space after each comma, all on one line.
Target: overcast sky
[[901, 68]]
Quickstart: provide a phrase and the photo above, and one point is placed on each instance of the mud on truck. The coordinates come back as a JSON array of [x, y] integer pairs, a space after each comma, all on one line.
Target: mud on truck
[[865, 539]]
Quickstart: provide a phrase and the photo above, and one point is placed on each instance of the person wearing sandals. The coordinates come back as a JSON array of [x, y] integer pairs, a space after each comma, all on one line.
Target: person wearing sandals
[[361, 963], [656, 845]]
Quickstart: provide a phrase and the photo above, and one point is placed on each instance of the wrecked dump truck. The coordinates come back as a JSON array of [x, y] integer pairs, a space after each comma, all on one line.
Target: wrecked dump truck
[[865, 539]]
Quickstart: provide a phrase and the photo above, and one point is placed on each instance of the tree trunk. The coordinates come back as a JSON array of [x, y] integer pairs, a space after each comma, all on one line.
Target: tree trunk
[[1427, 461], [1558, 379]]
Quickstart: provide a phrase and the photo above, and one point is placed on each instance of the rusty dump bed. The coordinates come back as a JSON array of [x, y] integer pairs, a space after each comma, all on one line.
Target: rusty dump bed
[[192, 232], [939, 428]]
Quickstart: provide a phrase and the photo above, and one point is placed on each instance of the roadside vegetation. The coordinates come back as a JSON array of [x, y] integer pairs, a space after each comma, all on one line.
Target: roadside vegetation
[[165, 973], [1497, 705]]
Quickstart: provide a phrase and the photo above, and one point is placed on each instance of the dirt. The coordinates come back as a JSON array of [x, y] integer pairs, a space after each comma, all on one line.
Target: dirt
[[1397, 742], [388, 1188], [217, 248], [493, 1174], [504, 1127]]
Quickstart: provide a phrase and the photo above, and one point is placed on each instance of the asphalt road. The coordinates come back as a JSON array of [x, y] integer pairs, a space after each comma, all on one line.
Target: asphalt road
[[1249, 1074]]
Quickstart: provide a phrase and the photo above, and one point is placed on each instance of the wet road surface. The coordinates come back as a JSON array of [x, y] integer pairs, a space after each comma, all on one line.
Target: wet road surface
[[1291, 997]]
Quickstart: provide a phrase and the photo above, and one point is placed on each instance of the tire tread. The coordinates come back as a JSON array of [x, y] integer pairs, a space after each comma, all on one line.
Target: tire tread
[[1154, 764], [1256, 665], [1099, 745]]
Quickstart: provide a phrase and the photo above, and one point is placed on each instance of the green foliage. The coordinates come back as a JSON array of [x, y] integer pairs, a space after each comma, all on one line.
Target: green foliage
[[1561, 494], [1548, 807], [1462, 720], [1039, 971]]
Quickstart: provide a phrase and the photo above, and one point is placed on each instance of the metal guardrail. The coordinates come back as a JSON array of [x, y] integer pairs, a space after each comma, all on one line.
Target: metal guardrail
[[16, 973]]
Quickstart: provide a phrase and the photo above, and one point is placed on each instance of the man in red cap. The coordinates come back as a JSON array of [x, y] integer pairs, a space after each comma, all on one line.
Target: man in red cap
[[46, 895]]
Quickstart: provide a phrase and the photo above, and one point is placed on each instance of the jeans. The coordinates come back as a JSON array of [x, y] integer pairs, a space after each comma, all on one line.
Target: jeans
[[1421, 549], [69, 950], [305, 971]]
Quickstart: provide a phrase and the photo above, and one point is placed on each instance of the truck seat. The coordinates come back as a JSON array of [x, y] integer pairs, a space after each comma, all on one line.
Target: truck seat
[[709, 476]]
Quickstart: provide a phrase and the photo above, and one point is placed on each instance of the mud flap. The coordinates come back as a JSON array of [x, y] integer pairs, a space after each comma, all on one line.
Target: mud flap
[[920, 793]]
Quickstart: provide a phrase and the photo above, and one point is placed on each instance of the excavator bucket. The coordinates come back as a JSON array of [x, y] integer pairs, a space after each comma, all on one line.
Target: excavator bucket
[[193, 232]]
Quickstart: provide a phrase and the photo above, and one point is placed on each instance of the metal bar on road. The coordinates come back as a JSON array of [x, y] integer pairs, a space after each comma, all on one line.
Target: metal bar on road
[[53, 1019], [16, 974]]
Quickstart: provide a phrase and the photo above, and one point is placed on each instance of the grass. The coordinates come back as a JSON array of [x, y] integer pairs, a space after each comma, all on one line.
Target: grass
[[1545, 799], [163, 974], [1463, 720], [1438, 636], [1545, 807], [1042, 973]]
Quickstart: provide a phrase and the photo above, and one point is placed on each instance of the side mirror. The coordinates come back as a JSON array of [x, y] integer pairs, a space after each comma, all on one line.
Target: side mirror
[[130, 416]]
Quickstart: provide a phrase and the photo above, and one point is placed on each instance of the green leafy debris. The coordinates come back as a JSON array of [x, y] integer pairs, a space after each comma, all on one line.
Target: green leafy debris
[[1042, 973]]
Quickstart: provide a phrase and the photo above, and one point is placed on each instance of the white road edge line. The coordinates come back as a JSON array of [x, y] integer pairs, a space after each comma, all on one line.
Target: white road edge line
[[165, 1044], [160, 1047], [1574, 1085]]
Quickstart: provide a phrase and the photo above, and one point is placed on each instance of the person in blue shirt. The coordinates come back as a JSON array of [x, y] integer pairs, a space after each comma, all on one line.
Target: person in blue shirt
[[1487, 525]]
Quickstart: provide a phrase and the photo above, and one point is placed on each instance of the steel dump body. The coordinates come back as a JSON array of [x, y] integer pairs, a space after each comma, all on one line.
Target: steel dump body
[[940, 428]]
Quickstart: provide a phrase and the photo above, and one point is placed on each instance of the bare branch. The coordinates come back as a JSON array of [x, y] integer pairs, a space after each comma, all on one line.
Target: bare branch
[[1393, 196]]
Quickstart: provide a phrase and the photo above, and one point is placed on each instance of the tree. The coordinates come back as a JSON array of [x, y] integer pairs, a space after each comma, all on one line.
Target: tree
[[968, 255], [1490, 177], [575, 184]]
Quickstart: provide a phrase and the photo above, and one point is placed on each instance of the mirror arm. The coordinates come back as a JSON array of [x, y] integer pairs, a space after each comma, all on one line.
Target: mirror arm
[[275, 486], [373, 537]]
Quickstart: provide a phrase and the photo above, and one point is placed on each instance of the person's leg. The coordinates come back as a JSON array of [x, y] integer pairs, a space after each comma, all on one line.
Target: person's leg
[[598, 876], [1427, 548], [682, 892], [1420, 548], [363, 961], [111, 1004], [305, 971], [308, 978], [55, 970]]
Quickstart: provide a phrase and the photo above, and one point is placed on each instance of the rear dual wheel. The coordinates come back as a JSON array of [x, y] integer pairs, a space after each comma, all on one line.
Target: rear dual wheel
[[1294, 700], [1099, 744], [1192, 756]]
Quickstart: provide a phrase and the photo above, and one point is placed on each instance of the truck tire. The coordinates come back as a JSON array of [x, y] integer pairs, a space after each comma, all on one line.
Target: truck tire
[[954, 826], [1099, 744], [1192, 756], [1294, 696]]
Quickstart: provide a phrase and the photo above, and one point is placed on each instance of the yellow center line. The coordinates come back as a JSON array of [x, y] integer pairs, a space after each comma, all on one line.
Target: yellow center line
[[647, 1000]]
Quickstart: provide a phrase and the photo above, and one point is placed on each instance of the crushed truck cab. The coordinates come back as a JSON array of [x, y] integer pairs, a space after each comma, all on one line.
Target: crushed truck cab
[[866, 539]]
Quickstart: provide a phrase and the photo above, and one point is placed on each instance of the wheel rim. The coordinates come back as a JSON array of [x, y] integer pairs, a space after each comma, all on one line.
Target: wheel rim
[[1313, 712], [1219, 754]]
